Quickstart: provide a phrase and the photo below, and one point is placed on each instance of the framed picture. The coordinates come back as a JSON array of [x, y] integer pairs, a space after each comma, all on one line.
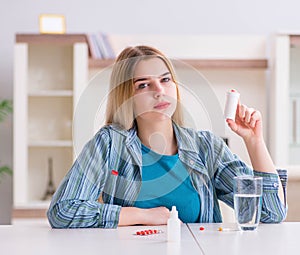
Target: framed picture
[[52, 24]]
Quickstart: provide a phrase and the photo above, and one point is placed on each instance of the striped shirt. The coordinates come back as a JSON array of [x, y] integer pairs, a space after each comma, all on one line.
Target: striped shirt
[[110, 166]]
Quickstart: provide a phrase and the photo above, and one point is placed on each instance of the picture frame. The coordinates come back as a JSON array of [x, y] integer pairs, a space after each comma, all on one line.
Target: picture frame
[[52, 24]]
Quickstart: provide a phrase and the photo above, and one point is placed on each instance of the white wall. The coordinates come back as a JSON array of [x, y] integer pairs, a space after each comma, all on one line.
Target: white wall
[[134, 16]]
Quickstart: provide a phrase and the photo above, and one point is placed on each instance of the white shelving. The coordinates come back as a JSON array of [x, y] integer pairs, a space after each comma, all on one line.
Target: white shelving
[[285, 101], [50, 73], [284, 116], [51, 93]]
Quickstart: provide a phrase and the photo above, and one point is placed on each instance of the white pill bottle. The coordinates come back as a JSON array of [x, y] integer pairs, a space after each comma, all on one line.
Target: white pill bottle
[[232, 99], [174, 226]]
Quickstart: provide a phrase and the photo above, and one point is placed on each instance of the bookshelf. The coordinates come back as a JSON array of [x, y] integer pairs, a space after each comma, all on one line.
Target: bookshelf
[[201, 63], [50, 73], [213, 52], [285, 113], [285, 101]]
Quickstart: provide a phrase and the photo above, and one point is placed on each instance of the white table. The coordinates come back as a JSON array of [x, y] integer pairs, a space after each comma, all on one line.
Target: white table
[[271, 239], [38, 238]]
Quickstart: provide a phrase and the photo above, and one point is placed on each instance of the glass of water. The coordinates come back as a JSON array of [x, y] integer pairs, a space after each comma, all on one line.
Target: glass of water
[[247, 201]]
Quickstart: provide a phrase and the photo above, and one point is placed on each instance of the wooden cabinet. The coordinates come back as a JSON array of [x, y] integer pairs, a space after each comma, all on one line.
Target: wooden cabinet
[[50, 73]]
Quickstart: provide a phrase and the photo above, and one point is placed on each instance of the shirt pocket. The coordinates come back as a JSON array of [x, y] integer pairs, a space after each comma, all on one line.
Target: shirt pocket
[[121, 188]]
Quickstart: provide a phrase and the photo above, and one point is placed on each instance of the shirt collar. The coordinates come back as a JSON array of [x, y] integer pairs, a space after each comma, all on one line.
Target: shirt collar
[[187, 142], [130, 134], [185, 137]]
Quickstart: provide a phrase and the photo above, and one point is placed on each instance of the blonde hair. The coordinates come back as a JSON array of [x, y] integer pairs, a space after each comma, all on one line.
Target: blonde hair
[[119, 108]]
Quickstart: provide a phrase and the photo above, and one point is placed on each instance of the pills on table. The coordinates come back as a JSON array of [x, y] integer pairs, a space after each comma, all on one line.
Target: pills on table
[[148, 232]]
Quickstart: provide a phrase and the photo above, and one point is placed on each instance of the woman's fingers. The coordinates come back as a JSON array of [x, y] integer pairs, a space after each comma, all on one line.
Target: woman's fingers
[[232, 125], [255, 116], [248, 115], [247, 122], [242, 111]]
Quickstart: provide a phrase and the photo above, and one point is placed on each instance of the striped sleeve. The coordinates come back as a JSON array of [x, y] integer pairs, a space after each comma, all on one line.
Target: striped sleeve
[[227, 165], [75, 203], [273, 210]]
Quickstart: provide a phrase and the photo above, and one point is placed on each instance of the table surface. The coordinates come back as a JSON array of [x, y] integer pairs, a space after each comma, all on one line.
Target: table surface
[[272, 239], [39, 238]]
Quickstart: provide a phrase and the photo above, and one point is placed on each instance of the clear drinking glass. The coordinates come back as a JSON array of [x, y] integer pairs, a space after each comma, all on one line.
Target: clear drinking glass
[[247, 201]]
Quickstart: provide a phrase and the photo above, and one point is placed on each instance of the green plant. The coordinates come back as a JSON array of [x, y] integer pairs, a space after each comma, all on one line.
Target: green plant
[[5, 110]]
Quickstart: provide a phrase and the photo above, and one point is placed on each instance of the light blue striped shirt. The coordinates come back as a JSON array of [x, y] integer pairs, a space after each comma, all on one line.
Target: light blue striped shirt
[[110, 165]]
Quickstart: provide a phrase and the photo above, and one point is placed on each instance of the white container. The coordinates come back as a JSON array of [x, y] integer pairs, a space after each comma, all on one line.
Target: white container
[[174, 226], [232, 99]]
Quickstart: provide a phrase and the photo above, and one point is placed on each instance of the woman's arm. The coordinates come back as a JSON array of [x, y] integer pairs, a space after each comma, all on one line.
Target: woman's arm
[[75, 202], [248, 125], [152, 216]]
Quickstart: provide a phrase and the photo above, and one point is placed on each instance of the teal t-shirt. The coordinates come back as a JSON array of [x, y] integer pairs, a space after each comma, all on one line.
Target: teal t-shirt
[[166, 182]]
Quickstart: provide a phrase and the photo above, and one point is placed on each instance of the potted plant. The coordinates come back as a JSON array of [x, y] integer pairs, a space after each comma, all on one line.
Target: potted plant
[[5, 193], [5, 109]]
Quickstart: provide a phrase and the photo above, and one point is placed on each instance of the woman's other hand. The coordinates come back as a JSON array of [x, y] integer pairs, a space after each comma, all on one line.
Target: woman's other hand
[[247, 124], [152, 216]]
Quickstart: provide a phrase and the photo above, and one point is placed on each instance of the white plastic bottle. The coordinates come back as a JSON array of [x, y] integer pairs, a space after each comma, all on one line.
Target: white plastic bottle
[[174, 226], [232, 99]]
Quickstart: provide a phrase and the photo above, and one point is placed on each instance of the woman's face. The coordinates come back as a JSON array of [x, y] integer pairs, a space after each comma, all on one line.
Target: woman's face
[[155, 96]]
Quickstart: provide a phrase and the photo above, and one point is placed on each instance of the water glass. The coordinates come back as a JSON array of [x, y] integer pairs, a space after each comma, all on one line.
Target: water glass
[[247, 201]]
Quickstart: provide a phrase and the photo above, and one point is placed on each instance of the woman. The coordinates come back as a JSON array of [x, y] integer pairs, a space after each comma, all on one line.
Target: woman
[[143, 161]]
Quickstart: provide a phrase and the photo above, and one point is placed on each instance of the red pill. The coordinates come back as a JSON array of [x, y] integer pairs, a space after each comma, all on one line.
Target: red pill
[[148, 232], [201, 228]]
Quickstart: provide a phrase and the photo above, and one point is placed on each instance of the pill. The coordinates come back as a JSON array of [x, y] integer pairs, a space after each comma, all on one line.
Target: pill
[[148, 232]]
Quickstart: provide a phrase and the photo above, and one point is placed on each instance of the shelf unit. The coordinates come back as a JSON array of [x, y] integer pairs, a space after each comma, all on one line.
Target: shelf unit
[[50, 73], [201, 63], [284, 115], [198, 51], [285, 101]]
